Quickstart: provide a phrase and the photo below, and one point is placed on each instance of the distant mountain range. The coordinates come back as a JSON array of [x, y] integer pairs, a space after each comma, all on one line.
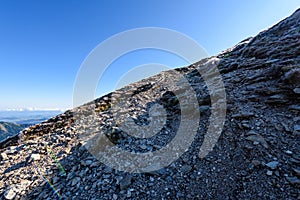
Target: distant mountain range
[[27, 116], [13, 121], [8, 129]]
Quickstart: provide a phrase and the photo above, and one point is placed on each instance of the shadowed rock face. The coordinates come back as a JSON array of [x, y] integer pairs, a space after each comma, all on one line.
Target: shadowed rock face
[[256, 157]]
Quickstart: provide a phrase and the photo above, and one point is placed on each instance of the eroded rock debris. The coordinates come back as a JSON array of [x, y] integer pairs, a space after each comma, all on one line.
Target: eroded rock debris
[[256, 157]]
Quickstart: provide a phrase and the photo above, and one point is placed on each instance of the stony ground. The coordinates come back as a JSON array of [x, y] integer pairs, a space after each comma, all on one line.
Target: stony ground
[[256, 157]]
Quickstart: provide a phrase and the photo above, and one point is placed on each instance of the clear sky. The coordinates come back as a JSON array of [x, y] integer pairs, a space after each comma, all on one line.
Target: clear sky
[[43, 43]]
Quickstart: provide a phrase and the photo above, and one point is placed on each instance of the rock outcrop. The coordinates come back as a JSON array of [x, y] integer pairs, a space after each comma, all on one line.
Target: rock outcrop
[[257, 156]]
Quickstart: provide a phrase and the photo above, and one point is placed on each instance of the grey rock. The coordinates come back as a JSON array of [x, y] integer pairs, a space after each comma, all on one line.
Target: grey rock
[[294, 107], [297, 171], [128, 194], [296, 90], [143, 146], [15, 189], [297, 127], [277, 99], [273, 165], [55, 179], [11, 150], [36, 156], [293, 180], [203, 108], [70, 175], [86, 162], [288, 152], [9, 194], [125, 182], [269, 173], [4, 156], [186, 168], [256, 162], [293, 76], [244, 115], [75, 181], [296, 161], [258, 138]]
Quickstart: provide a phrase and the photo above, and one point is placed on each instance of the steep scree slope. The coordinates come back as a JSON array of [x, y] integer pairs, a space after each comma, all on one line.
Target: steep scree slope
[[256, 157]]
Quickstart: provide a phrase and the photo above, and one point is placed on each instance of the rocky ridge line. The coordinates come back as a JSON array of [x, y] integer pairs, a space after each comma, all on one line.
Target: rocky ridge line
[[256, 157]]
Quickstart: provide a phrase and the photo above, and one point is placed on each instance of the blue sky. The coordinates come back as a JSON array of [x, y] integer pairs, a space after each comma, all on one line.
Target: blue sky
[[43, 43]]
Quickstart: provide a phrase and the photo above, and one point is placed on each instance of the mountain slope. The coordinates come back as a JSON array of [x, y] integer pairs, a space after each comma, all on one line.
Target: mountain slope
[[257, 156], [9, 129]]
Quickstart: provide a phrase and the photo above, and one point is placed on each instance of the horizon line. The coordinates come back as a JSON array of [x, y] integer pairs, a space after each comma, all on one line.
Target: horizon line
[[34, 109]]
